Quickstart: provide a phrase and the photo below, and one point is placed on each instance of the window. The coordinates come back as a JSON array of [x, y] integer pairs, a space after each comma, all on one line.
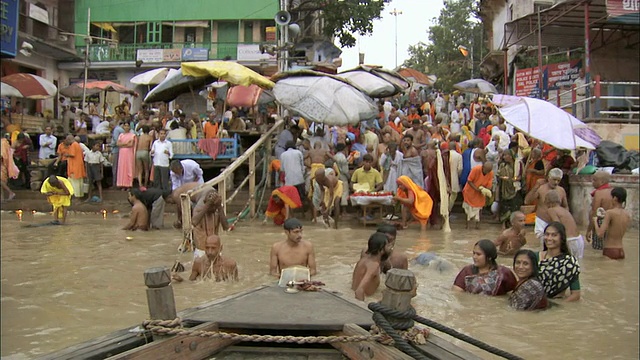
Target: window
[[189, 35], [154, 32]]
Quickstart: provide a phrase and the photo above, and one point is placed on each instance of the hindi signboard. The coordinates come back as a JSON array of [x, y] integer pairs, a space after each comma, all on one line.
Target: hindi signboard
[[624, 11], [150, 55], [554, 76], [8, 28]]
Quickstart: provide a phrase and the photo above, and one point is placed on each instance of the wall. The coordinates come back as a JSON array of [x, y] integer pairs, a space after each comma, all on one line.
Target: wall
[[580, 198], [49, 71], [624, 134]]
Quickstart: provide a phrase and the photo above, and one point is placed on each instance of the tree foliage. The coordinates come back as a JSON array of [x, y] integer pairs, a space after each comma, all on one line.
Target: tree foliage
[[456, 25], [342, 18]]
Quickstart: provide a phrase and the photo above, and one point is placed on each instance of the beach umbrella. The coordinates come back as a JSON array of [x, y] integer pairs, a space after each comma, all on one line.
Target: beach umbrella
[[323, 98], [151, 77], [27, 86], [95, 87], [417, 77], [176, 84], [476, 86], [231, 72], [375, 82], [542, 120]]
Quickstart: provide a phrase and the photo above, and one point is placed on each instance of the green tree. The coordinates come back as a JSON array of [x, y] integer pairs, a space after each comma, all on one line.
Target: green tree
[[342, 18], [456, 25]]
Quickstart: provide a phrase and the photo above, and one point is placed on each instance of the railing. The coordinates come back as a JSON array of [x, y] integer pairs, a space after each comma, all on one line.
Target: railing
[[128, 52], [221, 182], [189, 149], [607, 101]]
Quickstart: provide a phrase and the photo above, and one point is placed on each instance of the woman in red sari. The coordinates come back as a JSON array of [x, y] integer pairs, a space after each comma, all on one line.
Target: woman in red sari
[[282, 200]]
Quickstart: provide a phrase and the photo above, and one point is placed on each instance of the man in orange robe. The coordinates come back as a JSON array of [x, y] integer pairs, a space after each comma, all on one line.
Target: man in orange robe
[[71, 152], [477, 190]]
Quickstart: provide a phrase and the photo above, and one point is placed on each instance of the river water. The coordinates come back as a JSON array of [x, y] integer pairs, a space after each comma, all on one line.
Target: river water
[[66, 284]]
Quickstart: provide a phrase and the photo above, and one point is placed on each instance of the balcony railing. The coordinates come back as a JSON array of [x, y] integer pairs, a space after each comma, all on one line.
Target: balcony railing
[[127, 52]]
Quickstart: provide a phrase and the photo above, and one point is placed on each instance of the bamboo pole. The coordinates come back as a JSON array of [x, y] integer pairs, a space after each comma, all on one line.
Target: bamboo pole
[[252, 182], [187, 227]]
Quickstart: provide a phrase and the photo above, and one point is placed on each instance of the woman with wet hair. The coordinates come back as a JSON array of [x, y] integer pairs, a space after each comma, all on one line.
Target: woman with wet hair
[[485, 276], [559, 270], [529, 293]]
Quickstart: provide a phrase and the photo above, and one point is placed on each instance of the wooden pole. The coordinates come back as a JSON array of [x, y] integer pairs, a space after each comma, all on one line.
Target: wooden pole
[[162, 305], [222, 190], [187, 228], [401, 287], [252, 183]]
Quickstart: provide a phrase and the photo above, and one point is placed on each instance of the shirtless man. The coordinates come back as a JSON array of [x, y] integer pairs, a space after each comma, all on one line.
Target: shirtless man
[[175, 199], [601, 199], [615, 224], [407, 148], [390, 260], [419, 138], [382, 147], [538, 193], [207, 217], [513, 238], [318, 155], [292, 251], [142, 156], [575, 242], [213, 264], [366, 274], [322, 183], [139, 218]]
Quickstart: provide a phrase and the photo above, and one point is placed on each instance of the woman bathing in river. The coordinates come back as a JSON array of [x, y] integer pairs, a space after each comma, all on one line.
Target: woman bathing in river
[[485, 276], [529, 293]]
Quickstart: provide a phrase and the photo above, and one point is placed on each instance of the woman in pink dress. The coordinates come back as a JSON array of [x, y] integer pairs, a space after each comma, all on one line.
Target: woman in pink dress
[[126, 157]]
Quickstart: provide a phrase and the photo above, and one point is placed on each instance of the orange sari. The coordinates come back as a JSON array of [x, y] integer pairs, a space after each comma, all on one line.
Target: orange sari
[[422, 204], [277, 210]]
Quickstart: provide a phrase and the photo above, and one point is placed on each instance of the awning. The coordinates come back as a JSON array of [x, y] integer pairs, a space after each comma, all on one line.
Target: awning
[[194, 23], [562, 25], [105, 26]]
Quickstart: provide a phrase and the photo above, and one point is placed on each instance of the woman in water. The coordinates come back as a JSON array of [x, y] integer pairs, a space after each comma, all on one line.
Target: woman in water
[[485, 276], [559, 270], [529, 293]]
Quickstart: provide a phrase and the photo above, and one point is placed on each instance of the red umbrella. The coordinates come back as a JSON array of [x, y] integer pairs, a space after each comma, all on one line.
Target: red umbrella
[[94, 87], [27, 86]]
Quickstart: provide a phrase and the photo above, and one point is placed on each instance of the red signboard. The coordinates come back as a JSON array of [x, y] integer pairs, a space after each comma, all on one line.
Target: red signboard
[[617, 8], [554, 76]]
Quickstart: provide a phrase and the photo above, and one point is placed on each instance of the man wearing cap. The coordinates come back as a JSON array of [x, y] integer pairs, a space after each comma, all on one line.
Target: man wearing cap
[[292, 251], [538, 195]]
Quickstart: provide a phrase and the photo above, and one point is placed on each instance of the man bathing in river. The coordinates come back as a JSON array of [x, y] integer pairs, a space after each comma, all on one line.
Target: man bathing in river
[[615, 224], [513, 238], [292, 251], [213, 265], [58, 191], [537, 195], [207, 217], [391, 259], [139, 218], [575, 241], [366, 274]]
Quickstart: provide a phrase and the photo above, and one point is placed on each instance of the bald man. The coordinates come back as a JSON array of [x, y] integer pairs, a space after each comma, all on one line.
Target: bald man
[[601, 198], [213, 265], [538, 194]]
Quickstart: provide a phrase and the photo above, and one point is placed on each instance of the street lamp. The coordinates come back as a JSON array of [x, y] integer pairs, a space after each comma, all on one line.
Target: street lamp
[[395, 13]]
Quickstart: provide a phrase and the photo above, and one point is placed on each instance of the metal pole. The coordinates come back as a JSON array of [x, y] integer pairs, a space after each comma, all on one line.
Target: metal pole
[[87, 40], [540, 86], [395, 13], [471, 59], [587, 63]]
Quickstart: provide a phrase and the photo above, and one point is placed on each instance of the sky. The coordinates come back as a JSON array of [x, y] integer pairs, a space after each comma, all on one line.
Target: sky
[[379, 48]]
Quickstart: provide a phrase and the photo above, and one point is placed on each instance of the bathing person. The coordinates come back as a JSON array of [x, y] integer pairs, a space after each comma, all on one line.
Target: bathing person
[[292, 251], [213, 265], [601, 200], [537, 195], [139, 218], [415, 200], [485, 276], [391, 259], [58, 191], [207, 217], [559, 270], [529, 293], [513, 238], [615, 224], [575, 241], [476, 191], [366, 274], [282, 200]]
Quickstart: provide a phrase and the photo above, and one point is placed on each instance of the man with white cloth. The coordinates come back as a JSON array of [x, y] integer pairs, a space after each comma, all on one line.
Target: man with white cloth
[[538, 194], [185, 171]]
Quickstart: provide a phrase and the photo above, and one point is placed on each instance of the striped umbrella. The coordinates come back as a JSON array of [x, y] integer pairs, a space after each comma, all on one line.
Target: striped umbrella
[[27, 86]]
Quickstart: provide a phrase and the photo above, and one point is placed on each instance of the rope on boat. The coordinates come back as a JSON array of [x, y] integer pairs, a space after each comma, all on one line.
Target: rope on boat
[[171, 327], [378, 308], [399, 342]]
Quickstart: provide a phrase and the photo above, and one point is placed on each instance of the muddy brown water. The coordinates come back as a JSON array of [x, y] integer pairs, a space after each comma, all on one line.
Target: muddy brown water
[[61, 285]]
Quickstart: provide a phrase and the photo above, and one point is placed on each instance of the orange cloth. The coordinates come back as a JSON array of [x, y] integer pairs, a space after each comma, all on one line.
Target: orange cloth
[[422, 205], [9, 168], [75, 164], [412, 117], [211, 146], [210, 130], [275, 165], [289, 196], [397, 128], [552, 154], [473, 197]]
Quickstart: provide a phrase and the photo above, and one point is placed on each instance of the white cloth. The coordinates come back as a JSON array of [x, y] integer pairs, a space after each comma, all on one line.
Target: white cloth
[[85, 148], [472, 213], [455, 164], [191, 172], [102, 128], [94, 157], [292, 163], [197, 253], [576, 246], [472, 161], [47, 146], [539, 230], [394, 166]]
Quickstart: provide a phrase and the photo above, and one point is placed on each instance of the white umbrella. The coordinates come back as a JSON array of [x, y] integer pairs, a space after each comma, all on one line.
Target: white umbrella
[[323, 98], [175, 84], [542, 120], [150, 77], [476, 86], [27, 86]]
